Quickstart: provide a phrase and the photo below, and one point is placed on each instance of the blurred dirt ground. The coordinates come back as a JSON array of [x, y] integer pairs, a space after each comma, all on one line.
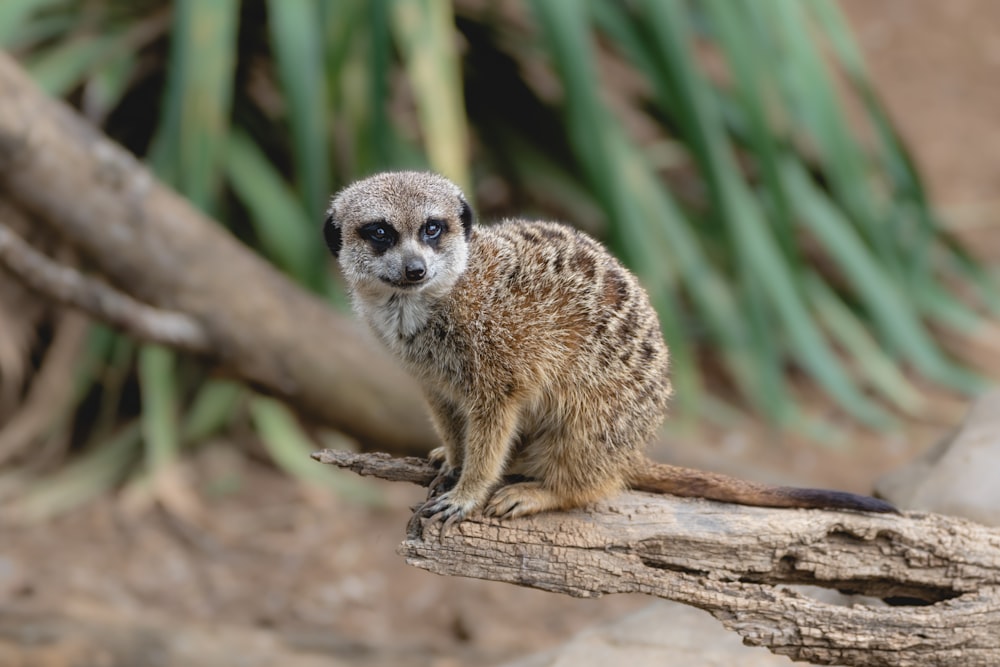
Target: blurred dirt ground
[[293, 575], [311, 571]]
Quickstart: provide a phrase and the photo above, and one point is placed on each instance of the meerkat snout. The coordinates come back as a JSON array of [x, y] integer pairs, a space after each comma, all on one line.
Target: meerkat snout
[[414, 269]]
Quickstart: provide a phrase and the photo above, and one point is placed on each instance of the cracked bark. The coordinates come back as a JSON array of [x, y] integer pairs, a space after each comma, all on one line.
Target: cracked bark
[[942, 574]]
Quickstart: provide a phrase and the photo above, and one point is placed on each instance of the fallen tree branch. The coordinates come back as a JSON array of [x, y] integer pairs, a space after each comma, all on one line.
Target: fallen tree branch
[[145, 240], [379, 464], [942, 573], [49, 392], [67, 286]]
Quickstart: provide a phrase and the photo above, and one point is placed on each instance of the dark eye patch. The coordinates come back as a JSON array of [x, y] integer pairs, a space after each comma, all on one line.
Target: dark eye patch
[[380, 234]]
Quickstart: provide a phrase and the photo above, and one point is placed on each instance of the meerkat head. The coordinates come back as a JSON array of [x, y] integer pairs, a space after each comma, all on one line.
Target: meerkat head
[[400, 232]]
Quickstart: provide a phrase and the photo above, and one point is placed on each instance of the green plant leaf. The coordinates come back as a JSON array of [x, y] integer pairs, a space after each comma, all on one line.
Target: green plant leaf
[[285, 232], [83, 479], [211, 410], [290, 448], [297, 39], [869, 358], [160, 427], [188, 149], [15, 18], [887, 306], [425, 33]]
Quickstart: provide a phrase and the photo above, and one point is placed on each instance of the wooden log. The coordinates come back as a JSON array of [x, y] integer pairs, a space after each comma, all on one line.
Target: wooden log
[[940, 574]]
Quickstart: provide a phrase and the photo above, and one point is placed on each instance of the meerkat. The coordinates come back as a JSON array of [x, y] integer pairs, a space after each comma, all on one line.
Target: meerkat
[[539, 353]]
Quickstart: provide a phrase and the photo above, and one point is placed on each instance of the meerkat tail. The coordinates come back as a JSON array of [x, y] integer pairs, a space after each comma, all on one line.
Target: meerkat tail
[[691, 483]]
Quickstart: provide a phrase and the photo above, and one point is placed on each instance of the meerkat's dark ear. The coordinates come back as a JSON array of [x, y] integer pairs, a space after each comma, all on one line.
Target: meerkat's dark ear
[[331, 233], [465, 215]]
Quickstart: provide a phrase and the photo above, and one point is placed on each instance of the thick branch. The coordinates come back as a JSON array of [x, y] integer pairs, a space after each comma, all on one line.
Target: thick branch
[[730, 560], [152, 244]]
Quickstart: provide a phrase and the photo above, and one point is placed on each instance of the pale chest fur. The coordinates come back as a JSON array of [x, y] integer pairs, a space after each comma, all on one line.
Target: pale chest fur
[[420, 334], [396, 319]]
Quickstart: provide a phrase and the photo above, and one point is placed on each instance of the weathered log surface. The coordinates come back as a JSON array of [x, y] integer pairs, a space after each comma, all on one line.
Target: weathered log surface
[[382, 465], [942, 573], [151, 244]]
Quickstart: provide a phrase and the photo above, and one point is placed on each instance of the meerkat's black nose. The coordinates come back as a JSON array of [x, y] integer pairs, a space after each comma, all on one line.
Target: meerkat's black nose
[[415, 269]]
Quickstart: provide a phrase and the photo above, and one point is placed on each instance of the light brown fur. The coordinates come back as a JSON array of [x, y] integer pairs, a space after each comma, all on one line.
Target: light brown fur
[[539, 353]]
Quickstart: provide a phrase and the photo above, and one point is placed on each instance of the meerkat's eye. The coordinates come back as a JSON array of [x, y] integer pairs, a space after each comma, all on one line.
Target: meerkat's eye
[[380, 233], [433, 228]]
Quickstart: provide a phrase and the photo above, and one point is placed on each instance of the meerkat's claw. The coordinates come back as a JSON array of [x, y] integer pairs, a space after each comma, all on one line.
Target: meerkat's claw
[[414, 529], [521, 499], [495, 512], [446, 505], [444, 482], [438, 456], [447, 475], [449, 522], [438, 509], [425, 510]]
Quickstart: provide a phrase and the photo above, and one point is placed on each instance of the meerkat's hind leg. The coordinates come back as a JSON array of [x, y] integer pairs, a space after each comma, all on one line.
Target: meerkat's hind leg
[[532, 497], [562, 470], [522, 499]]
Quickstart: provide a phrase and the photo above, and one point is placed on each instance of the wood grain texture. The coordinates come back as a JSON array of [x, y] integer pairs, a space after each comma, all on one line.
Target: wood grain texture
[[942, 573]]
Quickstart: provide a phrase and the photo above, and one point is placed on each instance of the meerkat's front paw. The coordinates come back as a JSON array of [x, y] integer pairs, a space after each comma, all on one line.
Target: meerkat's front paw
[[449, 506]]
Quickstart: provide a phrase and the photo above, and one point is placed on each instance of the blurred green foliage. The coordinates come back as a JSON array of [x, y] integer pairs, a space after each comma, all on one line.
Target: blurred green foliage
[[732, 152]]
